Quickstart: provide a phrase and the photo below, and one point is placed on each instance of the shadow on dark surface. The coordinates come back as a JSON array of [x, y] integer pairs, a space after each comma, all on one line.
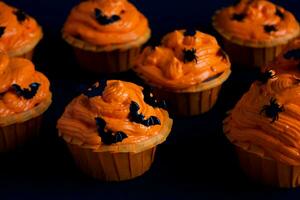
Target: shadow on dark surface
[[196, 161]]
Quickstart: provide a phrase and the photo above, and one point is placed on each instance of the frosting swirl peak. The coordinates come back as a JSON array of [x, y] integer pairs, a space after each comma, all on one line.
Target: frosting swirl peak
[[183, 60], [122, 108]]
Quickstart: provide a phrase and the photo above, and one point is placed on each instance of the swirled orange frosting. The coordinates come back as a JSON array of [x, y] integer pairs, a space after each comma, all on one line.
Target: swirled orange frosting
[[256, 21], [19, 35], [78, 121], [82, 22], [21, 72], [249, 127], [289, 60], [166, 66]]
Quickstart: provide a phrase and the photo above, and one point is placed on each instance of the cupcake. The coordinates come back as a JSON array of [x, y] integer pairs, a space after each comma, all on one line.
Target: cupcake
[[288, 61], [113, 128], [255, 31], [19, 33], [106, 34], [264, 127], [187, 70], [25, 96]]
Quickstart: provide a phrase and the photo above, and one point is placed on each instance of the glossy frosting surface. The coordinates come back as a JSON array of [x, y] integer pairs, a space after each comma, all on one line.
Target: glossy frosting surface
[[256, 21], [129, 24], [18, 30], [78, 121], [21, 72], [249, 127], [169, 66]]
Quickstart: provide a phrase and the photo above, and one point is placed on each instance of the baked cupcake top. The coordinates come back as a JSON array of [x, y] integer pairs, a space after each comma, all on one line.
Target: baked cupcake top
[[266, 120], [21, 87], [289, 60], [256, 23], [19, 33], [106, 23], [185, 60], [115, 116]]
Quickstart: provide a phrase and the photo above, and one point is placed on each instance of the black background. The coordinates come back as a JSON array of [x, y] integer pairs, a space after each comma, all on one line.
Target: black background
[[196, 162]]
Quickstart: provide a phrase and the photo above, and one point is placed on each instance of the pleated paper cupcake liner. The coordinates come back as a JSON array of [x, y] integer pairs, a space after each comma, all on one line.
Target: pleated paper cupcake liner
[[16, 130], [108, 166], [267, 171]]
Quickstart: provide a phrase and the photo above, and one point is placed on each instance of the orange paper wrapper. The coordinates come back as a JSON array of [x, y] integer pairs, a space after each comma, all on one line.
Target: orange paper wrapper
[[189, 103], [109, 166], [17, 129], [18, 134], [267, 171], [249, 56], [107, 61]]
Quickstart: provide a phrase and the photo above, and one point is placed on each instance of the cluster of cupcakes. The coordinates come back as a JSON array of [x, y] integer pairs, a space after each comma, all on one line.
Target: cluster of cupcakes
[[113, 128]]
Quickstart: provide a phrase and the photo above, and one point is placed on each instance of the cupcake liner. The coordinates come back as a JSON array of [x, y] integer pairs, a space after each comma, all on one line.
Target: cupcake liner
[[189, 103], [268, 171], [109, 166], [105, 61], [17, 129], [18, 134], [249, 57], [192, 101]]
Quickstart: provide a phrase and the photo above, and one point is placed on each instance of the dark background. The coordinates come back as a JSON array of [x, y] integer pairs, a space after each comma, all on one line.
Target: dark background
[[196, 162]]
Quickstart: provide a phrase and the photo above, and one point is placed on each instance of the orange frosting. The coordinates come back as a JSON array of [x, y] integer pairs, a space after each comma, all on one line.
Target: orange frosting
[[249, 127], [251, 26], [21, 72], [19, 36], [285, 63], [78, 121], [165, 65], [82, 22]]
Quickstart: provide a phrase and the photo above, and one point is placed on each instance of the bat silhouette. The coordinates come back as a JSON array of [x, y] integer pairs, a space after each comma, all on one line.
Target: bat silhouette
[[293, 54], [147, 91], [140, 118], [108, 137], [96, 90], [21, 15], [270, 28], [26, 93], [103, 19]]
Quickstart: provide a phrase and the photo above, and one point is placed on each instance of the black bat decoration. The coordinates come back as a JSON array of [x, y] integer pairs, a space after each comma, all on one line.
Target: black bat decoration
[[189, 55], [21, 15], [264, 77], [108, 137], [2, 30], [190, 32], [96, 90], [270, 28], [26, 93], [103, 19], [149, 99], [139, 118], [279, 13], [292, 54], [238, 17]]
